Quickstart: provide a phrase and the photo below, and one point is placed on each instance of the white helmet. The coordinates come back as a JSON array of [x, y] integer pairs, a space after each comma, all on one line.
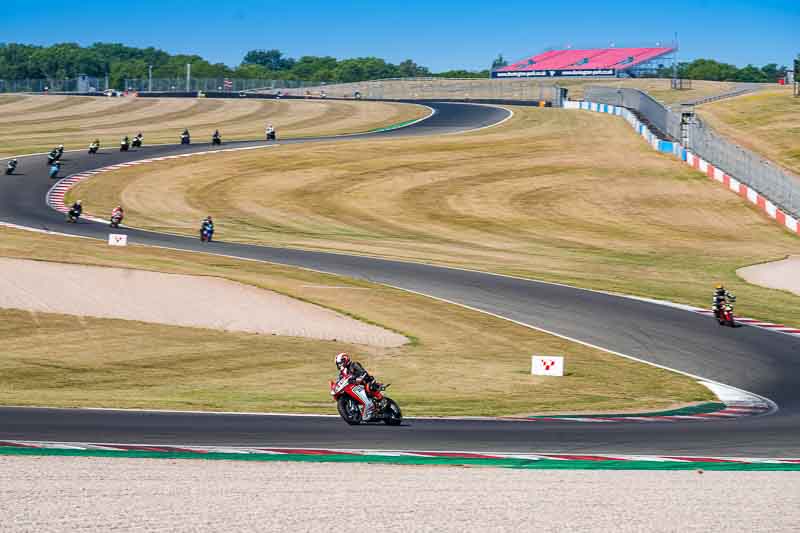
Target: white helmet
[[342, 360]]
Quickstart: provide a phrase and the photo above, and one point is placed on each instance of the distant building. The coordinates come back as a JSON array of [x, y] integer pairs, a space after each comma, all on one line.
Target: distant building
[[615, 62]]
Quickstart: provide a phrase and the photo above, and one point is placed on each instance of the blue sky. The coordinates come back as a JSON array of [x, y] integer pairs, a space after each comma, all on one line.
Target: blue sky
[[440, 35]]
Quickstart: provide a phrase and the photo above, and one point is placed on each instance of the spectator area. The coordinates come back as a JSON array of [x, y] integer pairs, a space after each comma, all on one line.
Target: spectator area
[[588, 59]]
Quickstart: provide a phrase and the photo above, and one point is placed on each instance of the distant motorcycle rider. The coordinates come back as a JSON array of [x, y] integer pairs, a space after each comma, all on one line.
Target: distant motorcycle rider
[[76, 210], [11, 167], [356, 372], [117, 214], [721, 297], [207, 229], [270, 132]]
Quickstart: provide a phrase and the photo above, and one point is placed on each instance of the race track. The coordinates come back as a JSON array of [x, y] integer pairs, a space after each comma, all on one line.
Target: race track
[[756, 360]]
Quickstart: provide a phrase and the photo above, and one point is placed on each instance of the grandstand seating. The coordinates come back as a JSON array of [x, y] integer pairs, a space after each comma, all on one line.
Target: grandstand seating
[[587, 59]]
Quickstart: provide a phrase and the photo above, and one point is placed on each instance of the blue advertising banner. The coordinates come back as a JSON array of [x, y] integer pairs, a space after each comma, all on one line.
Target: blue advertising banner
[[569, 73]]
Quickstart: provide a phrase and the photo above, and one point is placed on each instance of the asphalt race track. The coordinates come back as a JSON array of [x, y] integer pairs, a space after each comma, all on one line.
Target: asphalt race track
[[756, 360]]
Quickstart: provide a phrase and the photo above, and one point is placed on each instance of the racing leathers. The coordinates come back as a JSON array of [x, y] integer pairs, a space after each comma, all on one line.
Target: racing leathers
[[721, 297], [356, 372]]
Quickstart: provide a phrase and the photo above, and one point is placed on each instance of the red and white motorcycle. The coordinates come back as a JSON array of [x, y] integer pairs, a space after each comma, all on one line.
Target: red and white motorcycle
[[353, 400]]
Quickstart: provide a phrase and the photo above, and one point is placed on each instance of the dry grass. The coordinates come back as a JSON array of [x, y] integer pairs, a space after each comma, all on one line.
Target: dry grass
[[660, 89], [59, 360], [36, 123], [767, 122], [559, 195]]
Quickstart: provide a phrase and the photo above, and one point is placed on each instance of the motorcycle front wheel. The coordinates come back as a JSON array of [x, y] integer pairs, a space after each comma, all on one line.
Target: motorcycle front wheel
[[392, 414], [349, 410]]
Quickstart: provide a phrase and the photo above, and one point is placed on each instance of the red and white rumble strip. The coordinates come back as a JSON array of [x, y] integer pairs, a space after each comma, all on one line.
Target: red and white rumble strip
[[201, 450], [779, 328], [746, 192]]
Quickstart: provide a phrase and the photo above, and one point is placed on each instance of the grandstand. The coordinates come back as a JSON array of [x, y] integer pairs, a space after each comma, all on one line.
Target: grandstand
[[617, 62]]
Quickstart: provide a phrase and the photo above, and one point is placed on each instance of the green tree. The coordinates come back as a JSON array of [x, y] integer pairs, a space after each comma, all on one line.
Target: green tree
[[409, 69], [269, 59], [750, 73], [463, 74]]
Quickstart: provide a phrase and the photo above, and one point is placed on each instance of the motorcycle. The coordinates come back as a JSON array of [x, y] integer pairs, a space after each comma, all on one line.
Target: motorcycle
[[185, 138], [725, 316], [206, 233], [124, 145], [216, 140], [54, 168], [93, 148], [347, 394], [11, 167], [271, 135], [137, 141], [73, 216], [52, 157], [116, 220]]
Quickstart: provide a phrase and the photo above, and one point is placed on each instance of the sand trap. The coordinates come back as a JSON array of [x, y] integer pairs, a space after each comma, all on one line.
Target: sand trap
[[178, 300], [784, 274]]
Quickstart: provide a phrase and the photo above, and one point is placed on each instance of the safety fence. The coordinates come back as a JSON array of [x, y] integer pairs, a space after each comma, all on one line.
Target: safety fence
[[233, 85], [781, 187], [78, 85], [385, 89], [432, 89]]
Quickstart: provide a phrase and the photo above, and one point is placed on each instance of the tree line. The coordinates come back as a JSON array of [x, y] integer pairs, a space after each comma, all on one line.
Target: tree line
[[708, 69], [120, 62]]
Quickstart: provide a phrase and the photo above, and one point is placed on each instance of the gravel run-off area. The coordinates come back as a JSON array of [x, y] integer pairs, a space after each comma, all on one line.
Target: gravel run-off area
[[173, 299], [101, 494], [783, 274]]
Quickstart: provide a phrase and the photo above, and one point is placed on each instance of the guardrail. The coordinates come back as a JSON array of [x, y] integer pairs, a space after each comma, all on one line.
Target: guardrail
[[781, 187]]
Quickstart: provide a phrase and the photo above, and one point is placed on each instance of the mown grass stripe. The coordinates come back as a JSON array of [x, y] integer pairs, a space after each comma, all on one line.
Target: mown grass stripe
[[540, 464]]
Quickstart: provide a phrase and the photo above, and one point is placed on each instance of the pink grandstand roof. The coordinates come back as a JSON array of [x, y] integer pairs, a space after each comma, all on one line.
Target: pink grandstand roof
[[595, 58]]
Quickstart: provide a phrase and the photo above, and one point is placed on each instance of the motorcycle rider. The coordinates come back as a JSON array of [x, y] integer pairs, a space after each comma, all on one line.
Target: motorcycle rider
[[94, 146], [76, 210], [54, 169], [59, 151], [207, 227], [117, 212], [185, 137], [355, 371], [216, 138], [137, 140], [270, 132], [721, 297], [11, 167]]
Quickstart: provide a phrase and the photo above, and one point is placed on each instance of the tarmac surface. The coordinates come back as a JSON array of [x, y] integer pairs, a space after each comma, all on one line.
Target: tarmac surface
[[756, 360]]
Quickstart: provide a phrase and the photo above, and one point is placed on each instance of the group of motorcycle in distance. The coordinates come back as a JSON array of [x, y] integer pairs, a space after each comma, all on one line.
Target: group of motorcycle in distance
[[74, 213], [54, 157]]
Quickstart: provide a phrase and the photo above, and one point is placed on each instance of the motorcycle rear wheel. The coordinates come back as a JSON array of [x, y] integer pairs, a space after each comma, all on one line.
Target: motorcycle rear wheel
[[392, 414], [349, 410]]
